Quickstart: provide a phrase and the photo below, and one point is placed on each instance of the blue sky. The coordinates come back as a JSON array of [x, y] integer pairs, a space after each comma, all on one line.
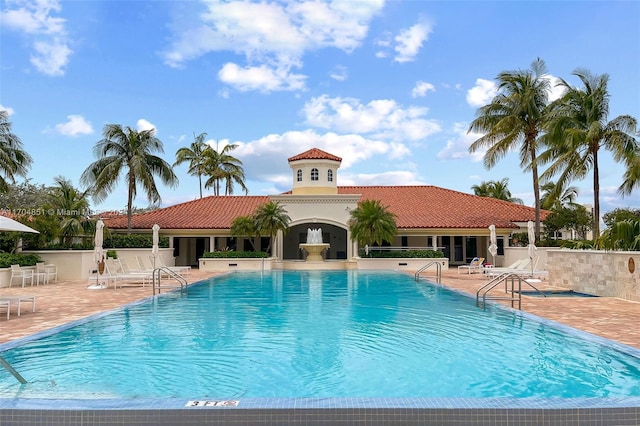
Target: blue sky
[[389, 86]]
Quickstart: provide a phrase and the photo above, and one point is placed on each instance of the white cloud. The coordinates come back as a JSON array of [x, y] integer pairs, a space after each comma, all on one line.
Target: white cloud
[[381, 119], [9, 110], [389, 178], [409, 41], [143, 124], [457, 147], [46, 32], [51, 57], [482, 93], [261, 78], [75, 125], [276, 41], [262, 158], [556, 91], [339, 73], [421, 88]]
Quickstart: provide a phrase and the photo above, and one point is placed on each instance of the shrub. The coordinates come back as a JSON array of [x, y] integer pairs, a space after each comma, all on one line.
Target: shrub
[[133, 241], [234, 254], [8, 259], [429, 254]]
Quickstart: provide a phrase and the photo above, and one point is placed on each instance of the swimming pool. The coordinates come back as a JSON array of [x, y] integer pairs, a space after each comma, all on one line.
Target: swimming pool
[[318, 334]]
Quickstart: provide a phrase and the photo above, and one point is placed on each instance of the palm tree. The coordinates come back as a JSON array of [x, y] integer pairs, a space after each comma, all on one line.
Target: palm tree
[[371, 222], [623, 235], [221, 166], [631, 178], [496, 189], [554, 196], [126, 150], [244, 226], [269, 218], [234, 175], [195, 155], [14, 161], [578, 129], [514, 120], [73, 206]]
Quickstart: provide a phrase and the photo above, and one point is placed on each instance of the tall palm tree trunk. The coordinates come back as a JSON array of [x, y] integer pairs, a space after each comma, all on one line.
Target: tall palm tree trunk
[[596, 197], [130, 203], [536, 193]]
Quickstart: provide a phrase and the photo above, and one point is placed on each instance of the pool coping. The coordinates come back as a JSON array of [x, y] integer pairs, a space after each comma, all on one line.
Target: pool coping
[[350, 403]]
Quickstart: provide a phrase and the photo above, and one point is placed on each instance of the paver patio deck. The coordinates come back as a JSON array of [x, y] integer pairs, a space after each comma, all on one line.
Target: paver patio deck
[[62, 302]]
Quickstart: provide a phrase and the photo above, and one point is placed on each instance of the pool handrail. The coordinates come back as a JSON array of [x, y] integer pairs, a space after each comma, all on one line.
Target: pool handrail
[[10, 369], [504, 277], [157, 274], [438, 270]]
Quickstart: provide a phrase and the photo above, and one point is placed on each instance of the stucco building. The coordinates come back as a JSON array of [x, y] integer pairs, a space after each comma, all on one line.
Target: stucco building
[[427, 217]]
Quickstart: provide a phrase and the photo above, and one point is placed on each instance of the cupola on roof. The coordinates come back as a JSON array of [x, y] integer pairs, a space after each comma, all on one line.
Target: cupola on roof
[[315, 172]]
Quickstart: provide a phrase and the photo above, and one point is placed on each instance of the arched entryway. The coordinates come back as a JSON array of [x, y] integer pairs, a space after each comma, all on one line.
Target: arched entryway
[[332, 234]]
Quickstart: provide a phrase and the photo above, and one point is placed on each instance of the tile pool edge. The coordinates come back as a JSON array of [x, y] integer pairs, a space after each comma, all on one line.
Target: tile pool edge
[[616, 407]]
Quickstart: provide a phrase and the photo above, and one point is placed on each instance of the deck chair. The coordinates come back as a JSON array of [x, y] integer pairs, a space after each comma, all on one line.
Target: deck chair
[[515, 266], [121, 276], [181, 270], [22, 274], [474, 266]]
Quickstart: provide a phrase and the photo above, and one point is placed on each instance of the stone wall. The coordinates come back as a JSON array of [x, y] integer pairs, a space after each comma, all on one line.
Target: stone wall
[[601, 273]]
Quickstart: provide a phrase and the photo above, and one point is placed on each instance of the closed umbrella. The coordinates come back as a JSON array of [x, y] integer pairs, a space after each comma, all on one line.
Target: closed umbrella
[[98, 253], [532, 243], [155, 248], [493, 243]]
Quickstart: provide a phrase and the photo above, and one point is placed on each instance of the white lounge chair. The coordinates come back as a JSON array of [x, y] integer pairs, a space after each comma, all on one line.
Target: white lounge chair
[[117, 274], [181, 270], [474, 266], [22, 274], [514, 267]]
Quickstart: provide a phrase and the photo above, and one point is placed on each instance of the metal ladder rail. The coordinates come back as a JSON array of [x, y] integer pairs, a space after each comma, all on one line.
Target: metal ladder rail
[[485, 289], [157, 273], [438, 271], [10, 369], [504, 277]]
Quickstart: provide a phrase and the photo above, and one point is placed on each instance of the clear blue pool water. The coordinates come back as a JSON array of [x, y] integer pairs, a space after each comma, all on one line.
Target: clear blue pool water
[[317, 334]]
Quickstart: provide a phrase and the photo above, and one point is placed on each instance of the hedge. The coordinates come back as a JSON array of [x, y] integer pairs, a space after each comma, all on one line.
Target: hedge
[[429, 254], [8, 259], [234, 254]]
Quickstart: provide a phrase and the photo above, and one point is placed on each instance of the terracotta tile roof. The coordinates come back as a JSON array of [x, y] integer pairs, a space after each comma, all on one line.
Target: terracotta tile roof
[[415, 206], [206, 213], [435, 207], [315, 154]]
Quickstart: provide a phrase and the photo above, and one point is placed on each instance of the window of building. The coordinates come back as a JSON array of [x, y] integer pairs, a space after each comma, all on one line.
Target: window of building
[[314, 174], [330, 176], [299, 175]]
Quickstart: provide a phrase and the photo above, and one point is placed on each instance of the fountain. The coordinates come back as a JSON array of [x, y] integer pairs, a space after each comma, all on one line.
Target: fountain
[[314, 245]]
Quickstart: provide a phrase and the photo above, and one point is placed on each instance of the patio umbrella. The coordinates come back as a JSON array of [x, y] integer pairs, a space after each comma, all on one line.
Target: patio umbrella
[[532, 242], [98, 253], [493, 243], [155, 249], [7, 224]]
